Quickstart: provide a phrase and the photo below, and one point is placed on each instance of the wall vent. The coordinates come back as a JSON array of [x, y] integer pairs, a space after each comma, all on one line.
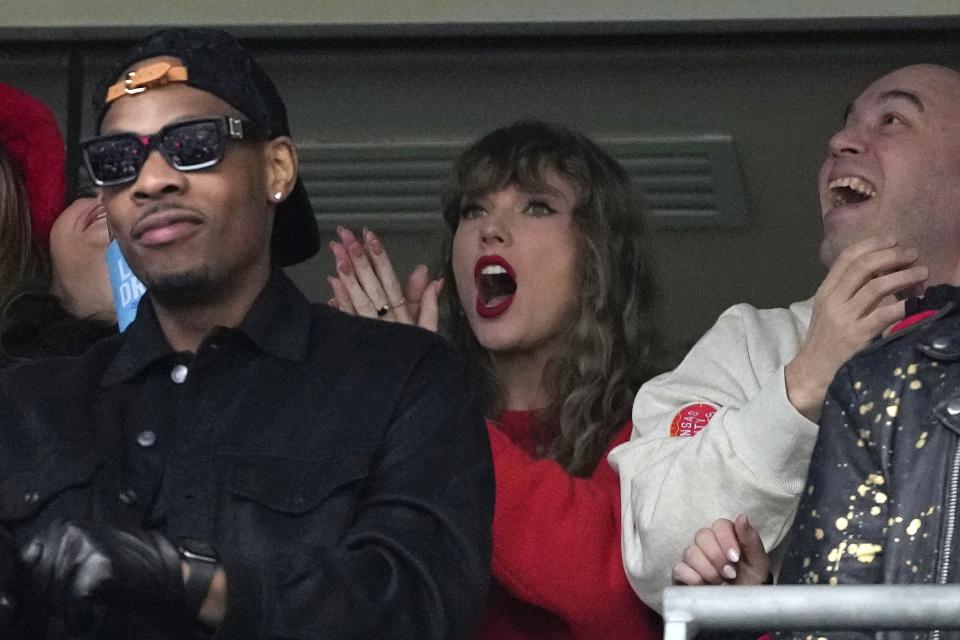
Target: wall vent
[[686, 181]]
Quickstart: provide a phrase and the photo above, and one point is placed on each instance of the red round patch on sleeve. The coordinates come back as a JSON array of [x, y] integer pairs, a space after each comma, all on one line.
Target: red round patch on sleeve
[[691, 419]]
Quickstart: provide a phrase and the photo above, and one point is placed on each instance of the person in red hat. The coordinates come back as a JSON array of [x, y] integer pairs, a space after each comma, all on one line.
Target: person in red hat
[[32, 186], [54, 290]]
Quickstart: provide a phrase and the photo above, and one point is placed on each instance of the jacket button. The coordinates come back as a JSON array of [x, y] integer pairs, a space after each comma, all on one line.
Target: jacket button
[[30, 498], [146, 438], [940, 343], [954, 407], [179, 373], [128, 497]]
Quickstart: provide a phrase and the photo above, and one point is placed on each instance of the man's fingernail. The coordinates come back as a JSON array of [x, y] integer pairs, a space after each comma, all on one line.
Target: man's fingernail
[[732, 555], [344, 268], [728, 572], [357, 249], [375, 245]]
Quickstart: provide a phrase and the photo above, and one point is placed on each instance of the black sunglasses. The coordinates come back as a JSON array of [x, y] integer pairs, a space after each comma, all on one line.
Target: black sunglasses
[[191, 145]]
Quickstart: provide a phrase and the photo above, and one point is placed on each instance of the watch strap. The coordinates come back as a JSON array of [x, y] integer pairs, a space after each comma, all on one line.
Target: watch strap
[[203, 561]]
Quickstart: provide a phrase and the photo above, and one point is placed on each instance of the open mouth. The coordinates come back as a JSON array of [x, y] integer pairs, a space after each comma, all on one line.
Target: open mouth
[[850, 190], [496, 285], [97, 213]]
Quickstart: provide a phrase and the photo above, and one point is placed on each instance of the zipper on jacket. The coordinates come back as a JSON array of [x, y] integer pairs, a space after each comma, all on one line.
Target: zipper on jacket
[[946, 550]]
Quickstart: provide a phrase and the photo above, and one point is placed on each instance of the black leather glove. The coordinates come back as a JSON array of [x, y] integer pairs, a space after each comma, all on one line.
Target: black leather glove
[[75, 566], [10, 580]]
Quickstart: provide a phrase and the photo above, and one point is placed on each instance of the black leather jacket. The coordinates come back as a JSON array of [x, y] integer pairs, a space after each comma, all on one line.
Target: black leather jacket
[[880, 504]]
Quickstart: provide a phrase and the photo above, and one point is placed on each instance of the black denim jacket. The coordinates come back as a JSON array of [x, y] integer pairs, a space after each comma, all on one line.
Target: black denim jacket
[[339, 465]]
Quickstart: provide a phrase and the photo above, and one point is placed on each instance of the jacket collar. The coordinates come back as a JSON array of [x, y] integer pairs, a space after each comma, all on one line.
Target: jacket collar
[[923, 312], [278, 323], [934, 299]]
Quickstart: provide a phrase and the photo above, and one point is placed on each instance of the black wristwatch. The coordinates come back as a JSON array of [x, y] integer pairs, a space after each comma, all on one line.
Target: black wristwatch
[[203, 560]]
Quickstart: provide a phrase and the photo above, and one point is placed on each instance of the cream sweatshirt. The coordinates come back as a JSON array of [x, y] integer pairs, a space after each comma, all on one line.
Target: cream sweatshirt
[[750, 457]]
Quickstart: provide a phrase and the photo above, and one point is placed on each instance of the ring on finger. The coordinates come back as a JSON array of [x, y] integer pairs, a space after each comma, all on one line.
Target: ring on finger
[[387, 308]]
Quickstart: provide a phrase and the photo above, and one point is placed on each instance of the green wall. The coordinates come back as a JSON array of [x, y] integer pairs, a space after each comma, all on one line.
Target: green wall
[[778, 94], [123, 13]]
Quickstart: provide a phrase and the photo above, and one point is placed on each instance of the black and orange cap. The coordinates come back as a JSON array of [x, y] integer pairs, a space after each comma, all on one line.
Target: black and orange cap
[[215, 62]]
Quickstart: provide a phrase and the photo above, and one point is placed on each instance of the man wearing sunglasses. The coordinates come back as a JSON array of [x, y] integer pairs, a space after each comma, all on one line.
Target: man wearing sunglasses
[[239, 461]]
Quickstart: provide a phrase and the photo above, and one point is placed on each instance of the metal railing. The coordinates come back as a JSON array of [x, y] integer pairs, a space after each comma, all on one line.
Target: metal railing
[[688, 610]]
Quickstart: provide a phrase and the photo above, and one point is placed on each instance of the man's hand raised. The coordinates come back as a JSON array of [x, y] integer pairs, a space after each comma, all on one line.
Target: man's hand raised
[[856, 302]]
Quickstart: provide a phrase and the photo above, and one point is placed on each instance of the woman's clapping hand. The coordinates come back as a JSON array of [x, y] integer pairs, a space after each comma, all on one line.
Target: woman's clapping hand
[[367, 285]]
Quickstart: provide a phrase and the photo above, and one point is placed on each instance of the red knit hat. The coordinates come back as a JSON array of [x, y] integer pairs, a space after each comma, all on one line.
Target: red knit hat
[[31, 137]]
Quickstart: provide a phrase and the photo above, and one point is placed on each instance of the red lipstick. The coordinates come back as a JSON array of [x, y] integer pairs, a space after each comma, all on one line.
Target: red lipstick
[[95, 213], [498, 286]]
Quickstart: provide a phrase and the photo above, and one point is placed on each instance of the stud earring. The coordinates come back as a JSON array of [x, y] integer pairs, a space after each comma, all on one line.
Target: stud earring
[[277, 196]]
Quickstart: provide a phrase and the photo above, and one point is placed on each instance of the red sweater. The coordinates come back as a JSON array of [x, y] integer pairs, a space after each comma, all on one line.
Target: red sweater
[[556, 547]]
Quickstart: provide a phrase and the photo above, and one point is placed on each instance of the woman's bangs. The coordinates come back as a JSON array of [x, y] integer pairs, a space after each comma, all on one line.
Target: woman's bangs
[[485, 176]]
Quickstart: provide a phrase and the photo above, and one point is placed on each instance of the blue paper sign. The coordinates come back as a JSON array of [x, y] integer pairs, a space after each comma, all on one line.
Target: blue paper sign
[[127, 288]]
